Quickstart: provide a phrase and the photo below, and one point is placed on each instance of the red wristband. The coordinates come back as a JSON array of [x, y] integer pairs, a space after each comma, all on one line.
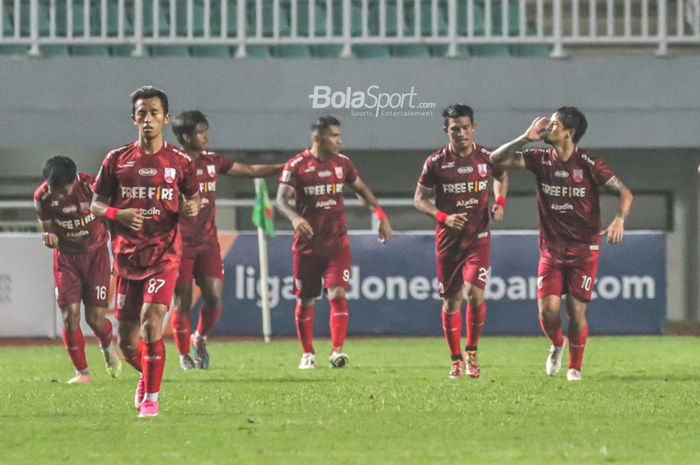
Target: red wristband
[[111, 213], [500, 200], [379, 213], [440, 216]]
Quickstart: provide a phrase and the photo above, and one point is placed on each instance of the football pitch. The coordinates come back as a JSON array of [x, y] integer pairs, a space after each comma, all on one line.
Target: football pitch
[[639, 403]]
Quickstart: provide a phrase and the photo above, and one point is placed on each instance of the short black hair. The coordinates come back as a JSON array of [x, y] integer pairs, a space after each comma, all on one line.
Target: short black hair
[[59, 171], [186, 122], [457, 110], [572, 118], [323, 123], [145, 92]]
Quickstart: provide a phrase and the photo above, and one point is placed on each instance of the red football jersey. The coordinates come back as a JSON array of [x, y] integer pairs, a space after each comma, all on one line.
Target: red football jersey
[[567, 199], [461, 185], [153, 183], [77, 229], [318, 186], [199, 231]]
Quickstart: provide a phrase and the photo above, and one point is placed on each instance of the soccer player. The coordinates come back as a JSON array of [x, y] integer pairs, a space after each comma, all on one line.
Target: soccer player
[[201, 256], [321, 248], [138, 189], [457, 177], [569, 209], [81, 260]]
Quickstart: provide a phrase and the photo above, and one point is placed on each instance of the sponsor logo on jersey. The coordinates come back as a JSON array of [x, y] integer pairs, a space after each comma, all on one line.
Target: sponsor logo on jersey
[[326, 204], [54, 203], [338, 172], [447, 165], [211, 169], [128, 164], [169, 175], [323, 189], [561, 174], [209, 186], [70, 209], [587, 159], [560, 207], [150, 212], [464, 187], [562, 191], [467, 203], [324, 174], [465, 170], [200, 171], [483, 169], [578, 175], [148, 171], [150, 192], [76, 223]]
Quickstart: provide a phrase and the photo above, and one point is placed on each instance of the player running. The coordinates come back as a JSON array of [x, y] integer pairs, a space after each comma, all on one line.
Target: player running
[[321, 248], [457, 177], [569, 209], [81, 260], [139, 189], [201, 255]]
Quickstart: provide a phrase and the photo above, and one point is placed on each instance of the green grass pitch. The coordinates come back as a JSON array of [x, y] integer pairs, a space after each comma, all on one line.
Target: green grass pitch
[[639, 403]]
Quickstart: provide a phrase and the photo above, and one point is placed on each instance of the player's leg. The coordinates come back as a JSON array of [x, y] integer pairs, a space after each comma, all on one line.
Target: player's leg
[[132, 349], [550, 283], [158, 290], [580, 279], [128, 313], [449, 274], [336, 279], [475, 274], [68, 286], [209, 273], [180, 318], [95, 293], [307, 286]]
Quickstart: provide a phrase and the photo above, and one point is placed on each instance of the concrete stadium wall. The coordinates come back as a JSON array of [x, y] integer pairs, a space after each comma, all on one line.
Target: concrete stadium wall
[[643, 118]]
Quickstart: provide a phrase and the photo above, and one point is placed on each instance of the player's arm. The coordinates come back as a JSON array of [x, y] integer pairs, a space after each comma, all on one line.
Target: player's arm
[[368, 198], [508, 155], [48, 237], [285, 194], [129, 217], [617, 226], [500, 191], [254, 171], [423, 203]]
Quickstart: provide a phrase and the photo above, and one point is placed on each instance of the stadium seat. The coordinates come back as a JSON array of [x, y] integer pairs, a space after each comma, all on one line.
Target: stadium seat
[[326, 51], [489, 51], [258, 51], [371, 51], [89, 51], [529, 51], [425, 28], [161, 23], [169, 51], [267, 19], [410, 51], [211, 51], [198, 19], [291, 51]]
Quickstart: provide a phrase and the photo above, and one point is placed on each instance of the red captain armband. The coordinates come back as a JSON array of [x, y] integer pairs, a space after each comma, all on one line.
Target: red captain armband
[[111, 213], [500, 200], [379, 213], [440, 216]]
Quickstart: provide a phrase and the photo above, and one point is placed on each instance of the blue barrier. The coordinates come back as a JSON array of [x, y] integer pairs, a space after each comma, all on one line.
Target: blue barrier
[[393, 289]]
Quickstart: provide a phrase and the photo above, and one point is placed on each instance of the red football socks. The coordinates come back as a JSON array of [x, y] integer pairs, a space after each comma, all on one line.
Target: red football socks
[[475, 323], [182, 326], [153, 362], [305, 327], [338, 322], [452, 328], [75, 345], [552, 329], [105, 334], [208, 317], [577, 344]]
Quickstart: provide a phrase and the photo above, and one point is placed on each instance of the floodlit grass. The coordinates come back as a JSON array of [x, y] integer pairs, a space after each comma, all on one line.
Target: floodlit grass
[[639, 403]]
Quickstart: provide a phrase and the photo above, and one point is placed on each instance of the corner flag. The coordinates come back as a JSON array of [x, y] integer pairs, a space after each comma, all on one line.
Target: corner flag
[[262, 209]]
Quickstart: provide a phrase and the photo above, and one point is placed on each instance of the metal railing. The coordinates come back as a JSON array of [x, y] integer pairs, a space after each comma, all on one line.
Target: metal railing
[[138, 24]]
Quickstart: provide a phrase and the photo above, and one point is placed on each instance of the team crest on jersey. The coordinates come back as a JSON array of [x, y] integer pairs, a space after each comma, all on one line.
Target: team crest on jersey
[[200, 171], [483, 169], [338, 171], [578, 175], [211, 169], [169, 175]]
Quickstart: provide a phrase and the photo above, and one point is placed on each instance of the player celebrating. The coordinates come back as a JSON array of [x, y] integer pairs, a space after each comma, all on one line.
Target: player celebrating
[[321, 248], [457, 176], [81, 260], [138, 188], [201, 252], [569, 209]]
